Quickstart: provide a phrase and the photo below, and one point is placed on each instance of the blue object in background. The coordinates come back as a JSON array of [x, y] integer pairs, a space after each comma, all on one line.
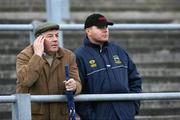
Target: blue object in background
[[70, 98]]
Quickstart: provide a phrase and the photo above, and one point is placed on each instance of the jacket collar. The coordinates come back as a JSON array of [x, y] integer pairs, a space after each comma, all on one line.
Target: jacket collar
[[59, 53], [57, 59]]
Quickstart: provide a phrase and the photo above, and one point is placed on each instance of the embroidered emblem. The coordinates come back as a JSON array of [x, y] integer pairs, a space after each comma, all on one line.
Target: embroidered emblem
[[116, 59], [92, 63]]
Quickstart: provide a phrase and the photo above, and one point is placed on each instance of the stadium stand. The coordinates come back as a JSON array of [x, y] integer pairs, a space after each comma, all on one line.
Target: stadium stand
[[157, 53]]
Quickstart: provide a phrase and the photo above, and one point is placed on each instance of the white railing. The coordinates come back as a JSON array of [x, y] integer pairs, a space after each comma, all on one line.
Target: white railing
[[21, 103], [30, 27]]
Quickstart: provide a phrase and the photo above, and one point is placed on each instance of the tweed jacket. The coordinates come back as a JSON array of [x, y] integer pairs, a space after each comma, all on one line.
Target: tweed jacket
[[37, 77]]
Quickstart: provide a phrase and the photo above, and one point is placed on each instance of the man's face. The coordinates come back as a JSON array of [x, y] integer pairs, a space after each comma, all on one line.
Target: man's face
[[98, 35], [51, 41]]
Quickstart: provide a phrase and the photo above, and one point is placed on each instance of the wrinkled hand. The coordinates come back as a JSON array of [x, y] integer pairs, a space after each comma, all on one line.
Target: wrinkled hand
[[70, 85], [39, 45]]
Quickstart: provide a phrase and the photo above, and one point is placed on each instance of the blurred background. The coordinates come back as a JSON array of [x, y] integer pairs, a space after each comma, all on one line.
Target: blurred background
[[156, 52]]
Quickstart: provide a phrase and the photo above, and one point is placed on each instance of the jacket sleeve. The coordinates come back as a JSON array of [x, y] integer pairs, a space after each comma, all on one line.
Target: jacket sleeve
[[75, 74], [28, 70], [84, 109], [134, 82]]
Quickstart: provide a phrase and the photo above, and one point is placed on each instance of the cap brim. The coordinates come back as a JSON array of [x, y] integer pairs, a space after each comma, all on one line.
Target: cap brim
[[110, 23], [102, 24], [45, 27]]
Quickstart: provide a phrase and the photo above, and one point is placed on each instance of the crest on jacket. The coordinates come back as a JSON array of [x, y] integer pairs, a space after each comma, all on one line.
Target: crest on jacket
[[117, 59], [92, 63]]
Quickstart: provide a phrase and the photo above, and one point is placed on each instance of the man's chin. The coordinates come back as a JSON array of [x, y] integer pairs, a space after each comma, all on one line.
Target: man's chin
[[105, 40], [54, 50]]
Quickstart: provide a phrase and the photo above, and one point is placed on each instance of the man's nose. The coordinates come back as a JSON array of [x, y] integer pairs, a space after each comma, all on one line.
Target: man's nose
[[105, 29], [55, 38]]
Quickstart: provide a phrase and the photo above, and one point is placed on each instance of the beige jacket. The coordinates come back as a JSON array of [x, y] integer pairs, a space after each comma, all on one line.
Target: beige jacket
[[37, 77]]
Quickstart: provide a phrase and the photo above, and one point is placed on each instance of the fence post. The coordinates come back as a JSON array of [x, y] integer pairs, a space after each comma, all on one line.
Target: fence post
[[31, 33], [58, 11], [21, 109]]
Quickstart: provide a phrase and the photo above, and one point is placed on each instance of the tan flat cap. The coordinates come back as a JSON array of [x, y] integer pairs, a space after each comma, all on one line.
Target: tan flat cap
[[43, 27]]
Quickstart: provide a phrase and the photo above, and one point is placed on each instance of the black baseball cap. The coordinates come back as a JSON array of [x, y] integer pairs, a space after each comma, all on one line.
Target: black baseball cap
[[96, 20]]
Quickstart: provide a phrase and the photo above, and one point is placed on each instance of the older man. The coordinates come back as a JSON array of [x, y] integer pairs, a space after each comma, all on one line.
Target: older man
[[40, 71]]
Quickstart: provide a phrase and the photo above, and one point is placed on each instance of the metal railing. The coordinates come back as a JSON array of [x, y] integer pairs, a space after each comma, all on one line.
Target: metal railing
[[64, 27], [29, 27], [21, 103]]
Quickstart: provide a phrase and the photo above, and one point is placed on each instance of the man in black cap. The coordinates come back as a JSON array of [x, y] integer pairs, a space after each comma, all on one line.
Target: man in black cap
[[40, 71], [105, 68]]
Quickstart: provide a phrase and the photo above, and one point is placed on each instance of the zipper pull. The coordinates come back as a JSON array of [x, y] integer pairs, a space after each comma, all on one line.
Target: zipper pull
[[101, 47]]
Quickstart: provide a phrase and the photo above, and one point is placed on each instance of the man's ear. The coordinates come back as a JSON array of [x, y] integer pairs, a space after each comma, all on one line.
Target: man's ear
[[87, 30]]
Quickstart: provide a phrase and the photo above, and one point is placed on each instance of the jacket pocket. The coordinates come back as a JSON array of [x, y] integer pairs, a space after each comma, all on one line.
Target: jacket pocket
[[37, 108], [37, 116]]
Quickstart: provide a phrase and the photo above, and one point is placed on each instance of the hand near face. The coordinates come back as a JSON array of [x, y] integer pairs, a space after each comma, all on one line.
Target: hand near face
[[39, 45], [70, 85]]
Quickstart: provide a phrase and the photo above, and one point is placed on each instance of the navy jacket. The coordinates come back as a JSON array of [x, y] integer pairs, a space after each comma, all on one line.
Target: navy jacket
[[104, 70]]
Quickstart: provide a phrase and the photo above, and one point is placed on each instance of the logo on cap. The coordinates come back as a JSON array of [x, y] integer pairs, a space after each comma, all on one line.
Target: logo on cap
[[96, 20], [101, 18]]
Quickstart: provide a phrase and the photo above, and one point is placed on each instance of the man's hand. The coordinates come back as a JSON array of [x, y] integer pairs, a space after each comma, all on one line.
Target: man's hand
[[39, 45], [70, 84]]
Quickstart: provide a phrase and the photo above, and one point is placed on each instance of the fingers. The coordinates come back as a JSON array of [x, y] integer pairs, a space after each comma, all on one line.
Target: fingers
[[39, 40], [70, 85], [39, 45]]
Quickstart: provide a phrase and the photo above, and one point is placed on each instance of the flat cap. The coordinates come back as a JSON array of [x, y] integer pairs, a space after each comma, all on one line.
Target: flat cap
[[43, 27]]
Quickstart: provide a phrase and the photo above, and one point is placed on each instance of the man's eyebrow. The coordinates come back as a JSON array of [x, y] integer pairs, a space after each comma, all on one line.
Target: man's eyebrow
[[49, 34], [52, 34]]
